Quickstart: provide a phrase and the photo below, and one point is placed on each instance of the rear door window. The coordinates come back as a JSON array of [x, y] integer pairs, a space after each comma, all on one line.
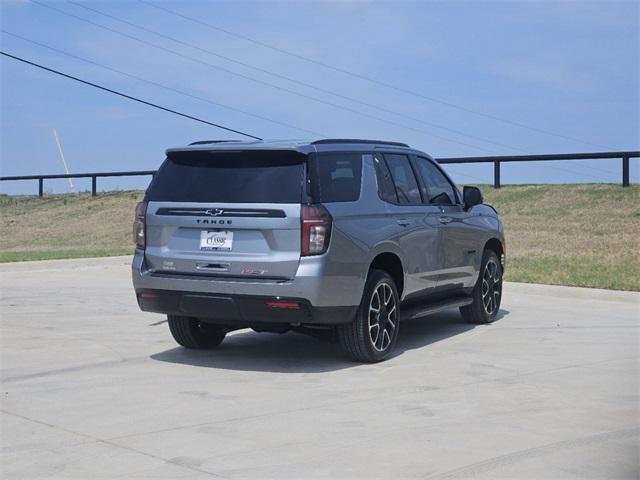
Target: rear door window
[[338, 176], [404, 179], [439, 190], [229, 177]]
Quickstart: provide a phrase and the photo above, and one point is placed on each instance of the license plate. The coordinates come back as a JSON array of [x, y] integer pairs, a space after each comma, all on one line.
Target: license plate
[[219, 240]]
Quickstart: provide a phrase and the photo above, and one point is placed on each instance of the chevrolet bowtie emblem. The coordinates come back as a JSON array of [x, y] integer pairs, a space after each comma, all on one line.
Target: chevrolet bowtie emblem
[[214, 212]]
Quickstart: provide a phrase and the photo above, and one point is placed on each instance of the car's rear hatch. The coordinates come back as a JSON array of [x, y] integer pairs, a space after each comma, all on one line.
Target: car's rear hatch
[[227, 214]]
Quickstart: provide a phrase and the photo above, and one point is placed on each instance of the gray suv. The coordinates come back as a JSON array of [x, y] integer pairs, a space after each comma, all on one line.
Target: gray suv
[[337, 238]]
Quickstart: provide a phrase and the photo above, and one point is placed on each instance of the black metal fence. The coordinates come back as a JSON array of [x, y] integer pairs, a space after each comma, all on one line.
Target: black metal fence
[[497, 161], [93, 176], [625, 156]]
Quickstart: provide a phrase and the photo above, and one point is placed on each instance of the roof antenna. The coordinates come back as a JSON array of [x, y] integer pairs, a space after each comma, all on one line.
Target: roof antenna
[[64, 162]]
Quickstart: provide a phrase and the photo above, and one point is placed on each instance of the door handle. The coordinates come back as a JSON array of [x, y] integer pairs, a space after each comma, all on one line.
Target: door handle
[[404, 222], [446, 220]]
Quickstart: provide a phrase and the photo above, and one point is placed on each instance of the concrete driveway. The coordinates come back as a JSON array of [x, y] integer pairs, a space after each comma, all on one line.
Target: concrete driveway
[[93, 388]]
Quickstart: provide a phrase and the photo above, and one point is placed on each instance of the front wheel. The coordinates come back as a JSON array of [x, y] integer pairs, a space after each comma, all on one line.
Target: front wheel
[[371, 336], [192, 333], [487, 294]]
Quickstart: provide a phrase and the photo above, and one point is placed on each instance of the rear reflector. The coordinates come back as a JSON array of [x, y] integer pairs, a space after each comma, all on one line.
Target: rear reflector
[[148, 295], [283, 304]]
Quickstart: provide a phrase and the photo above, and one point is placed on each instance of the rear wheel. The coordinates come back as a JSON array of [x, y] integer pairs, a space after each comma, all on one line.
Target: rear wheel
[[373, 333], [192, 333], [487, 294]]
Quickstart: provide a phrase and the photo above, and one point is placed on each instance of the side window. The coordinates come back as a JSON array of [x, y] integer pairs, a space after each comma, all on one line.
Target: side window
[[339, 176], [439, 189], [404, 179], [386, 190]]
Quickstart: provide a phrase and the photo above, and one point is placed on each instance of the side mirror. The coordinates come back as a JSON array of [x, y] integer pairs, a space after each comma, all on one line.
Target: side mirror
[[472, 196]]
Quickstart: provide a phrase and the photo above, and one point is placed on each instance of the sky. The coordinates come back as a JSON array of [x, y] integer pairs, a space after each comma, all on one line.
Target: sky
[[569, 69]]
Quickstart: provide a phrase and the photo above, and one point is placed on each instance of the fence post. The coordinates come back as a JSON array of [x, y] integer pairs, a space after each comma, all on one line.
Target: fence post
[[94, 181], [40, 187], [496, 174], [625, 171]]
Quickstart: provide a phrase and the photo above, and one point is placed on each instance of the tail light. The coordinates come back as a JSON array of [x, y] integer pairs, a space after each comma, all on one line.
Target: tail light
[[140, 225], [316, 230]]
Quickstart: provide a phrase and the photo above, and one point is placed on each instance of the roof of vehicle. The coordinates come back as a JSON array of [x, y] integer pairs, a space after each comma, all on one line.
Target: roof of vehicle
[[302, 146]]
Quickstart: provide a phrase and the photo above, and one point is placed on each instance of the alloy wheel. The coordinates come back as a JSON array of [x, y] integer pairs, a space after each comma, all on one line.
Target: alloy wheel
[[491, 287], [383, 317]]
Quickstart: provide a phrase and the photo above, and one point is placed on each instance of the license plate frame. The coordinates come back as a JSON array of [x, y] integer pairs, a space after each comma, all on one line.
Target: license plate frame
[[216, 240]]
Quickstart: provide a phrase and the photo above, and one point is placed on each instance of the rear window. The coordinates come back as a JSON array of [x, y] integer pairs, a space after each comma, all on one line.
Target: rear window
[[229, 177], [338, 177]]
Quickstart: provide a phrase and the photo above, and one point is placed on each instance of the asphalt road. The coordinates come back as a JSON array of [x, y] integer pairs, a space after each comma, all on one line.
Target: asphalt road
[[93, 388]]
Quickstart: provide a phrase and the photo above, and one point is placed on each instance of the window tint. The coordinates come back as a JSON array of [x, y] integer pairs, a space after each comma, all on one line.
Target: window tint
[[404, 179], [233, 177], [439, 189], [339, 176], [386, 190]]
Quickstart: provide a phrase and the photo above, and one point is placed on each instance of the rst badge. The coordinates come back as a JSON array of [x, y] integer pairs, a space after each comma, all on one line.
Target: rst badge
[[252, 271]]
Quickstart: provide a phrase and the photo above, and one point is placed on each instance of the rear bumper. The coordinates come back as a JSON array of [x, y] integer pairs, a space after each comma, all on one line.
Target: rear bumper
[[241, 310], [326, 299]]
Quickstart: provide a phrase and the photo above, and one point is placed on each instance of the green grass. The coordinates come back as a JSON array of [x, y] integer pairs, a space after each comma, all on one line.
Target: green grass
[[581, 271], [27, 256], [582, 235]]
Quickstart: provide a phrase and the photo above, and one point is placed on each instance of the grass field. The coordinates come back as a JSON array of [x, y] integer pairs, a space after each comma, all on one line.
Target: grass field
[[581, 235]]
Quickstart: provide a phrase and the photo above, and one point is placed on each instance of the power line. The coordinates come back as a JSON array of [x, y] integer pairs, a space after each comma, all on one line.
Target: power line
[[170, 88], [247, 77], [126, 22], [369, 79], [135, 99], [454, 172], [115, 92], [540, 164], [160, 85], [595, 169], [573, 171], [292, 80]]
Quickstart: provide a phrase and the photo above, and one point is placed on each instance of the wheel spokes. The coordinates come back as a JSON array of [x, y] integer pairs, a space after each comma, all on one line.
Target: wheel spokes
[[485, 301], [380, 340], [382, 317], [386, 294], [491, 287], [375, 300], [390, 312], [385, 335], [377, 328], [485, 287]]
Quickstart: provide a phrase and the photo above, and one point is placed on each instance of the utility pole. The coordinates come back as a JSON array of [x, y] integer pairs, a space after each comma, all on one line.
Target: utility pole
[[64, 162]]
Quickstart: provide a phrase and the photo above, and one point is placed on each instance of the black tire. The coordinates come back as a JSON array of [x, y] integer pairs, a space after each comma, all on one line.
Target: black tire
[[357, 338], [192, 333], [487, 293]]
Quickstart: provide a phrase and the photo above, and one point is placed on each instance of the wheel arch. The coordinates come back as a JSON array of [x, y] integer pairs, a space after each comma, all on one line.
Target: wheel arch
[[390, 263], [497, 246]]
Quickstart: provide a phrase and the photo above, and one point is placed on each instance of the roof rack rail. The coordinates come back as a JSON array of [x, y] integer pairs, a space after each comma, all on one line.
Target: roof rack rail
[[357, 140], [205, 142]]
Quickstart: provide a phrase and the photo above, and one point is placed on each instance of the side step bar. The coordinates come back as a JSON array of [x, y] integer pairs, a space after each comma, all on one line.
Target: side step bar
[[435, 307]]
